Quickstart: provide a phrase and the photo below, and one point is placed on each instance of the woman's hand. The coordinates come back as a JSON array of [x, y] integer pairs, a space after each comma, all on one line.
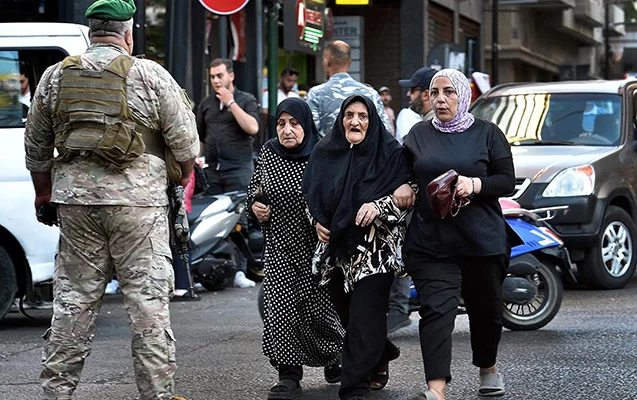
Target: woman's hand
[[404, 197], [467, 187], [323, 233], [261, 211], [366, 214]]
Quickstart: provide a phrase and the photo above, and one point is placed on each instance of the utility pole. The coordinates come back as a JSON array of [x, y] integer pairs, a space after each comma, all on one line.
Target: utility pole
[[606, 39], [494, 42], [273, 65], [223, 36], [139, 29]]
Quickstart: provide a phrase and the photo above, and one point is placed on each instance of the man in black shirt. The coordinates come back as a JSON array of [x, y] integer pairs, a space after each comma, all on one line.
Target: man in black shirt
[[227, 122]]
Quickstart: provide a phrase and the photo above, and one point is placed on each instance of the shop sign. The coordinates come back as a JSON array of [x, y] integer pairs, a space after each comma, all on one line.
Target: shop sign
[[304, 25], [350, 30], [352, 2]]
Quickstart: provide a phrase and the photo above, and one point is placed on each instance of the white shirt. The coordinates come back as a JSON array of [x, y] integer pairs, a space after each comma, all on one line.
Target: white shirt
[[280, 97], [26, 99], [406, 119]]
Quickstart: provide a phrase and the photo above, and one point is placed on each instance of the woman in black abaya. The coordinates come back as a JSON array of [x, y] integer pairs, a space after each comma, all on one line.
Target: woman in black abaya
[[348, 184]]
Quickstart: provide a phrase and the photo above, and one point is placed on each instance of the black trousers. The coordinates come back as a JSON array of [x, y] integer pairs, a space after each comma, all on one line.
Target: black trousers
[[363, 314], [439, 284], [237, 179], [231, 180]]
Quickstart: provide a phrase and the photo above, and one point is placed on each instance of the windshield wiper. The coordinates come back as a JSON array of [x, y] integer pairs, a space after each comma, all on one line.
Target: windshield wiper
[[537, 142]]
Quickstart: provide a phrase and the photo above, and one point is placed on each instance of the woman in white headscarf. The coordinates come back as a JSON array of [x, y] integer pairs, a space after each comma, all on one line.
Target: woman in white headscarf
[[466, 254]]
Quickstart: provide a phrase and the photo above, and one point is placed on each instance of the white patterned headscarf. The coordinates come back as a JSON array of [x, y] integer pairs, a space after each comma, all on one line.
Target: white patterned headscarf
[[463, 119]]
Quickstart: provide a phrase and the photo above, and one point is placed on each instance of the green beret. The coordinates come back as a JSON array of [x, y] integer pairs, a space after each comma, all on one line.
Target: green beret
[[112, 10]]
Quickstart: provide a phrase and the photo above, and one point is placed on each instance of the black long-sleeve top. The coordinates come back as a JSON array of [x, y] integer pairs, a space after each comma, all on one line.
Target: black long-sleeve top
[[227, 146], [479, 229]]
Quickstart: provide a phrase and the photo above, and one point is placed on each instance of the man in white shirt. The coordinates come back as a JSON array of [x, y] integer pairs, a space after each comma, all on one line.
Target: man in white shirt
[[419, 110], [25, 90], [286, 88], [419, 106], [385, 97]]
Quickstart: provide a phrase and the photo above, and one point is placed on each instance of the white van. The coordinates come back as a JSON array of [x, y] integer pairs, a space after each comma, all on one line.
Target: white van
[[27, 248]]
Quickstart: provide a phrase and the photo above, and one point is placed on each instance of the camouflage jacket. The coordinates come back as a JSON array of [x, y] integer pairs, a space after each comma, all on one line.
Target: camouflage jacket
[[325, 100], [154, 98]]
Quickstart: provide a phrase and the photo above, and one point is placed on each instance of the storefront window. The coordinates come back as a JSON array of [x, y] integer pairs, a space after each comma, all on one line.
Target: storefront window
[[156, 30]]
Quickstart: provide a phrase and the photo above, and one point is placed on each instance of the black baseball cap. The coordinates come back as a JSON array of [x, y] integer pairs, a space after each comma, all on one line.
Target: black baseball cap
[[420, 78]]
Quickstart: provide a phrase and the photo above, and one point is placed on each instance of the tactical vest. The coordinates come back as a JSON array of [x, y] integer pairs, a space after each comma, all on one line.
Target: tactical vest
[[92, 115]]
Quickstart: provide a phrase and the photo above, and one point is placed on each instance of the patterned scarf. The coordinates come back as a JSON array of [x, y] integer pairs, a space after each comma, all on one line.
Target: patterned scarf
[[463, 119]]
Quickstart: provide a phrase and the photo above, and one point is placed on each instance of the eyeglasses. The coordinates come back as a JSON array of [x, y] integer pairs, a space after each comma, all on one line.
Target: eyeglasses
[[416, 89], [23, 81]]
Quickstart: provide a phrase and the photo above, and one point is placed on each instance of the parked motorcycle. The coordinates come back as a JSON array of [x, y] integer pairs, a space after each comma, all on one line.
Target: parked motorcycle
[[215, 230], [532, 290]]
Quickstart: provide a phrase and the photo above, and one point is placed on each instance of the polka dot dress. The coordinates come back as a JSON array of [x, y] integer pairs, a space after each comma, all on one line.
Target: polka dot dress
[[300, 325]]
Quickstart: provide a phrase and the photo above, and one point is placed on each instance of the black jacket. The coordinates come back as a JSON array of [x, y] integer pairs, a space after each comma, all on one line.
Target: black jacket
[[226, 145]]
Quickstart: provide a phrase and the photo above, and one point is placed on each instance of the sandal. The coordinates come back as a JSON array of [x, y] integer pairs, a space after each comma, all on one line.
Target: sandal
[[332, 373], [428, 395], [286, 389], [491, 385], [379, 377]]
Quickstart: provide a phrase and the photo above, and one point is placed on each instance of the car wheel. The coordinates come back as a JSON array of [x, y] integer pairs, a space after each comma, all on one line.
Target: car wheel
[[8, 282], [610, 263]]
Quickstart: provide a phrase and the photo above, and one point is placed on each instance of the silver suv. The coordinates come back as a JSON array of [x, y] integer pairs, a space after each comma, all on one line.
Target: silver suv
[[575, 144]]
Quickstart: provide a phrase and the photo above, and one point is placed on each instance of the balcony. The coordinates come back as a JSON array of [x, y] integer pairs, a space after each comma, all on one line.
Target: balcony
[[616, 20], [541, 4], [590, 12]]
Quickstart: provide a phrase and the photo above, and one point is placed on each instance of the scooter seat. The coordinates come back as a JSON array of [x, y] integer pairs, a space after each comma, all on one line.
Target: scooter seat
[[199, 203]]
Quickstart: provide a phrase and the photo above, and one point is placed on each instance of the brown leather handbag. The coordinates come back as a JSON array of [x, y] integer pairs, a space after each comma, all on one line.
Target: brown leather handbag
[[442, 196]]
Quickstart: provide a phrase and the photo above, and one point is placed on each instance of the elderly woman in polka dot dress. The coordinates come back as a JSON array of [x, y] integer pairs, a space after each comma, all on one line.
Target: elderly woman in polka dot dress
[[300, 325]]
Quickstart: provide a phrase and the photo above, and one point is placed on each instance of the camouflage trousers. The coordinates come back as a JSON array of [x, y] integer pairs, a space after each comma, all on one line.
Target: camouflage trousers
[[94, 242]]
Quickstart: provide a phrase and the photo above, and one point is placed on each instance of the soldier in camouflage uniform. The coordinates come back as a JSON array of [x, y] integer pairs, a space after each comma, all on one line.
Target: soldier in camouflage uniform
[[113, 120], [325, 100]]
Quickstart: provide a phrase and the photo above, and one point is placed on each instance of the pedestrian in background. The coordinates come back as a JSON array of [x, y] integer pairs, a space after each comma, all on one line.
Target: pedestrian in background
[[300, 325], [111, 206], [419, 105], [285, 90], [348, 185], [419, 110], [467, 254], [227, 122], [385, 97], [325, 100]]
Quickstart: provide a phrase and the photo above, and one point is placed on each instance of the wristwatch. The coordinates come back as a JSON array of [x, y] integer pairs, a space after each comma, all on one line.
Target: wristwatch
[[231, 102]]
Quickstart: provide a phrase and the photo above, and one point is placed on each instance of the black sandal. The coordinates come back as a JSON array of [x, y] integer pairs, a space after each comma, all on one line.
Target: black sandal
[[380, 376], [332, 373], [286, 389]]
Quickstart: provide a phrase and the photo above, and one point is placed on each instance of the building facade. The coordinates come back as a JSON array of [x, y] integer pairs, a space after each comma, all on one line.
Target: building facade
[[549, 40]]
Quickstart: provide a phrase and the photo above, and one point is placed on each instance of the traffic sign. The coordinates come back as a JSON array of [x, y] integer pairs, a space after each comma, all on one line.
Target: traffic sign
[[224, 7]]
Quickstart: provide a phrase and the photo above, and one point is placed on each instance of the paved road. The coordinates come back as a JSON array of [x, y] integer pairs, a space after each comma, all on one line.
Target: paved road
[[588, 352]]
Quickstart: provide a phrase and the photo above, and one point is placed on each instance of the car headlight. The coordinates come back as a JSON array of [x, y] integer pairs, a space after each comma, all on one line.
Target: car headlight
[[576, 181]]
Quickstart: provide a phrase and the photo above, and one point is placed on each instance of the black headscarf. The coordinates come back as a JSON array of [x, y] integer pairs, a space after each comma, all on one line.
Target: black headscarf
[[301, 111], [341, 177]]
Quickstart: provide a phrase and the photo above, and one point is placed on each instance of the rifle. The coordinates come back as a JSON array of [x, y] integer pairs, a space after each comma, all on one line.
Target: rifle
[[180, 232]]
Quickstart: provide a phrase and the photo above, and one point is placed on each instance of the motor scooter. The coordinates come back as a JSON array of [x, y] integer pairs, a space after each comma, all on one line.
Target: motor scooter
[[532, 290], [215, 230]]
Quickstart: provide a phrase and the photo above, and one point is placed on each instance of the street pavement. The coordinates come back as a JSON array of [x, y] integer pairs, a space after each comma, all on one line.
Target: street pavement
[[589, 351]]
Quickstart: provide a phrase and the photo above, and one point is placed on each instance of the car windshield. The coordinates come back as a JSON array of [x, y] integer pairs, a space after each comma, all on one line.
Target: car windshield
[[537, 119], [11, 111]]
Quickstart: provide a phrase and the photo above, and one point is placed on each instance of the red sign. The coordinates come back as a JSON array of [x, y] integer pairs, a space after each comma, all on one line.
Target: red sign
[[224, 7]]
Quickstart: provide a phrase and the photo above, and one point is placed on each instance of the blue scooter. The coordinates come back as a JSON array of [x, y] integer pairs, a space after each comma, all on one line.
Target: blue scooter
[[532, 290]]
